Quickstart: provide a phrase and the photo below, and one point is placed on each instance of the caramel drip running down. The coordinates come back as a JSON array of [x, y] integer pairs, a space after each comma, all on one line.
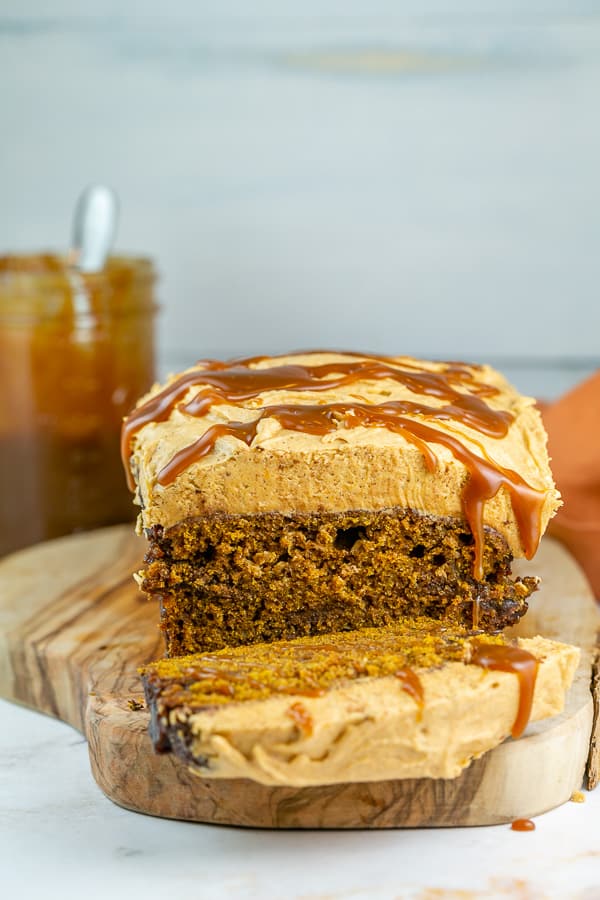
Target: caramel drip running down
[[486, 477], [524, 665], [301, 717], [411, 684], [236, 383]]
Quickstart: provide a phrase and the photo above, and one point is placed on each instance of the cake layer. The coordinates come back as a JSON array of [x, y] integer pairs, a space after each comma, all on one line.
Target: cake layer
[[411, 701], [231, 580], [332, 432]]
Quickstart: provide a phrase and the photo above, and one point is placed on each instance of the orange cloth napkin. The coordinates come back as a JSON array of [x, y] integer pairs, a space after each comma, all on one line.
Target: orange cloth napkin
[[573, 425]]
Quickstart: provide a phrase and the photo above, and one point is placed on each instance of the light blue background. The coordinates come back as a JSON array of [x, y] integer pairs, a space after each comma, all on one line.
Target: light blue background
[[404, 177]]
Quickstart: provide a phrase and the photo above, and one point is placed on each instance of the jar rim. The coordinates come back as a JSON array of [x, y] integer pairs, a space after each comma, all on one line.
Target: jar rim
[[47, 287], [49, 265]]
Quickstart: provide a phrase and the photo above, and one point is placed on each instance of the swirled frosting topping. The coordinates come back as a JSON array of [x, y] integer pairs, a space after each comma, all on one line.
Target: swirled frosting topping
[[331, 396]]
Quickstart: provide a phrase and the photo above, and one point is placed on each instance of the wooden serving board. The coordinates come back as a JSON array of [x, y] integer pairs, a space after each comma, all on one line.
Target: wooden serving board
[[74, 628]]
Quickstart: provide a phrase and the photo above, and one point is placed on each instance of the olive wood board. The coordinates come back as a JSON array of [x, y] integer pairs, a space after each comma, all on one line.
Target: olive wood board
[[74, 628]]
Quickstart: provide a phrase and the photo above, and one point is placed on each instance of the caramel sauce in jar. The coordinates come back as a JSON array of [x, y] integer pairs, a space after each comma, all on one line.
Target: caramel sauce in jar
[[76, 351]]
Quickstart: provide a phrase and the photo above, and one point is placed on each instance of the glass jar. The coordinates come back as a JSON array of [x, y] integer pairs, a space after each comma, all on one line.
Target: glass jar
[[76, 352]]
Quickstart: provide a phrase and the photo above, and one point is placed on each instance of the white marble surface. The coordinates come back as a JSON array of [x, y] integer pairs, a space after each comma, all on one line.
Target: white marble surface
[[61, 838]]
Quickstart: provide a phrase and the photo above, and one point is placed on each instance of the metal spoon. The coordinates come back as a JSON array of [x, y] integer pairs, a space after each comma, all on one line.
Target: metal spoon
[[94, 228]]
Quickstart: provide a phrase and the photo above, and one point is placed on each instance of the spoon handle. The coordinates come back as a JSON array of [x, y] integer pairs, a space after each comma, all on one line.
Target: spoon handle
[[94, 227]]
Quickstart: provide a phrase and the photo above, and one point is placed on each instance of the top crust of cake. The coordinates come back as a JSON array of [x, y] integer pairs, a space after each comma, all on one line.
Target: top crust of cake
[[353, 467]]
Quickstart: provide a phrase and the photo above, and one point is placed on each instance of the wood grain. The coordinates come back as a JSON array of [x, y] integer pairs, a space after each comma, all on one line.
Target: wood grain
[[593, 765], [73, 629]]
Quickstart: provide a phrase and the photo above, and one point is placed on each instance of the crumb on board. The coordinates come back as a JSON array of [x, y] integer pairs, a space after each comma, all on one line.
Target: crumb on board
[[578, 797]]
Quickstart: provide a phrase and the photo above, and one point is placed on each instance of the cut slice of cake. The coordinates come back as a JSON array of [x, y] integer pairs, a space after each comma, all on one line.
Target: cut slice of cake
[[412, 700], [317, 492]]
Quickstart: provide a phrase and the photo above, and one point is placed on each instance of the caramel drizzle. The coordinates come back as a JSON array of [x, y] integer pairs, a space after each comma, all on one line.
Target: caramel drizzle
[[235, 383], [224, 681], [229, 678], [230, 670], [411, 684], [486, 477], [301, 717], [505, 658], [494, 657]]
